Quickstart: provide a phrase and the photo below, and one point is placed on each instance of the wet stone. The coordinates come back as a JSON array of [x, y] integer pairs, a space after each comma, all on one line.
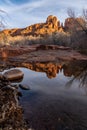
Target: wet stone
[[13, 74], [11, 113], [24, 86]]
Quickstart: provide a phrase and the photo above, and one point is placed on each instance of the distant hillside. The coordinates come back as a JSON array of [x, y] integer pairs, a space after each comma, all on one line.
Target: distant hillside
[[42, 32], [51, 25]]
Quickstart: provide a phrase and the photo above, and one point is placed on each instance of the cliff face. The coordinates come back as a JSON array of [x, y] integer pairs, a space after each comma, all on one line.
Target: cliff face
[[74, 23], [51, 25]]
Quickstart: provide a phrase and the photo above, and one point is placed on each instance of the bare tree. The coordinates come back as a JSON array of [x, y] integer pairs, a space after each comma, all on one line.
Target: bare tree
[[83, 23], [2, 19], [3, 24], [85, 14], [71, 13]]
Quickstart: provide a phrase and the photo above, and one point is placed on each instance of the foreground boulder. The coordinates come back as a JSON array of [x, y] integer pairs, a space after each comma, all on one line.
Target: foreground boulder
[[14, 74]]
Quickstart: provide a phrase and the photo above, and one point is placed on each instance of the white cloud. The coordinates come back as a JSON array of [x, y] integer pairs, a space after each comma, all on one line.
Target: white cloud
[[32, 12]]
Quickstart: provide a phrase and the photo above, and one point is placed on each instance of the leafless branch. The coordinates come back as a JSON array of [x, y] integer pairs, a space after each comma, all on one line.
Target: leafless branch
[[2, 19], [85, 13], [71, 13]]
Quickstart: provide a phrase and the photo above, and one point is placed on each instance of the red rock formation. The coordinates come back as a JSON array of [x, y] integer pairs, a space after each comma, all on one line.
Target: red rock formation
[[76, 23], [53, 21], [51, 25]]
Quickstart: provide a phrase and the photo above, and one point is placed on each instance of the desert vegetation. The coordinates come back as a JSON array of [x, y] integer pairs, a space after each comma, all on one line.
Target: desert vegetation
[[78, 30]]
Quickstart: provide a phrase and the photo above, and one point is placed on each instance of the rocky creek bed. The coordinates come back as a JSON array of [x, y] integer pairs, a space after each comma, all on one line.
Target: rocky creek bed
[[11, 113]]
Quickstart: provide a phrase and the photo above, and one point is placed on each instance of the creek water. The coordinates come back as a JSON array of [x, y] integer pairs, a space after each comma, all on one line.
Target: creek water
[[58, 103]]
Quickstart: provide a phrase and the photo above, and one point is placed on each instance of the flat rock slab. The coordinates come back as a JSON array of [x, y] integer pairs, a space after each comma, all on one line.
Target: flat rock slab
[[40, 53], [13, 74]]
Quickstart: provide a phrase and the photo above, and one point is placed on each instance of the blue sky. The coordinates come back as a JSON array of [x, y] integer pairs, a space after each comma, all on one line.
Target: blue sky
[[22, 13]]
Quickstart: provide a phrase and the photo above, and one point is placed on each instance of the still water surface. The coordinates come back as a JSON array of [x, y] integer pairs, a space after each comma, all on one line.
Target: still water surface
[[59, 103]]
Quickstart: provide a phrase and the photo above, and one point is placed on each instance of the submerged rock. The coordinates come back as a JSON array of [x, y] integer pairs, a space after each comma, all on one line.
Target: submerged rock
[[24, 86], [14, 74]]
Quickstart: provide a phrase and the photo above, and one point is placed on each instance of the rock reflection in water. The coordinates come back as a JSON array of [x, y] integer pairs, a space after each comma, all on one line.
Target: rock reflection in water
[[49, 105], [77, 69]]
